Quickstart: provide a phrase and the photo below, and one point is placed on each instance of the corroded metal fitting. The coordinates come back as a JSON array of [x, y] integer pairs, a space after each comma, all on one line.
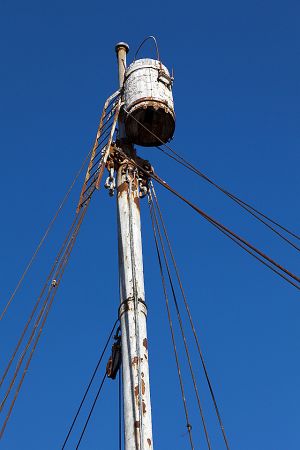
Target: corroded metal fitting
[[128, 305], [120, 45]]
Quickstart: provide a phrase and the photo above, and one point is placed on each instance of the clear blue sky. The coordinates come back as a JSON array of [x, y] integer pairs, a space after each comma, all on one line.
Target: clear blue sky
[[237, 102]]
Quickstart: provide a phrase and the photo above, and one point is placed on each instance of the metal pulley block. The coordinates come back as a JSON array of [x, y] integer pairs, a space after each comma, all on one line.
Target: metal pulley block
[[115, 360]]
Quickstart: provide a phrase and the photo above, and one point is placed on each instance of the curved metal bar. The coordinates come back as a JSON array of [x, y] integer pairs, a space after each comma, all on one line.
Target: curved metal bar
[[156, 46]]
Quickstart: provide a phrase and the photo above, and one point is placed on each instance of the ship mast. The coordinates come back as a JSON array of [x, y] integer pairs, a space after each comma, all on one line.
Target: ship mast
[[133, 309]]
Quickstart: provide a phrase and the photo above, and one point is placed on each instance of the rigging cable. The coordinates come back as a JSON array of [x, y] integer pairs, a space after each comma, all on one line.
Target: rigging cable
[[190, 318], [89, 384], [67, 195], [180, 321], [91, 411], [239, 201], [45, 311], [229, 233], [120, 408], [60, 271], [188, 425], [62, 204], [236, 238], [50, 276], [36, 324], [247, 207]]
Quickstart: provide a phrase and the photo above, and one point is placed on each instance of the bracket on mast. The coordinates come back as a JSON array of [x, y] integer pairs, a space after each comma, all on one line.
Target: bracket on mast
[[117, 157]]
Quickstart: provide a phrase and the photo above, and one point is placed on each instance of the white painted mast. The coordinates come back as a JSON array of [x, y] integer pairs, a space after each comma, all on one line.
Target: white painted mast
[[133, 310]]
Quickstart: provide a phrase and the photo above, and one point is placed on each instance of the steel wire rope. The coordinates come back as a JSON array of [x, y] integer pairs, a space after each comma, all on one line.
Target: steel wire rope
[[65, 261], [236, 241], [219, 226], [190, 318], [63, 202], [37, 321], [38, 301], [232, 196], [34, 330], [91, 411], [187, 352], [230, 232], [31, 337], [53, 220], [62, 267], [247, 207], [120, 408], [185, 407], [89, 385], [47, 310]]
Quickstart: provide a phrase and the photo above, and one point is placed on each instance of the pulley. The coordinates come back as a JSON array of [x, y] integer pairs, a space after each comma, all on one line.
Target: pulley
[[115, 360]]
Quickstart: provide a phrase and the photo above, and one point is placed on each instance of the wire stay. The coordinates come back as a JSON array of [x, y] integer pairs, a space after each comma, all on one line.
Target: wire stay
[[191, 321], [246, 206], [243, 243], [62, 204], [186, 411], [91, 411], [187, 352], [89, 385], [40, 323]]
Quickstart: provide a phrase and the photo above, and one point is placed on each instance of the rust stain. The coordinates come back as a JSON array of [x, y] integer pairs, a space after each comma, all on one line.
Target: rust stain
[[149, 442], [137, 424], [136, 394], [137, 202], [122, 188], [144, 407], [143, 387], [145, 343], [134, 361], [142, 374]]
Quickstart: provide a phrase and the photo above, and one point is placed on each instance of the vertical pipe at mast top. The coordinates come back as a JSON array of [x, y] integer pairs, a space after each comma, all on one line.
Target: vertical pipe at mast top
[[122, 49]]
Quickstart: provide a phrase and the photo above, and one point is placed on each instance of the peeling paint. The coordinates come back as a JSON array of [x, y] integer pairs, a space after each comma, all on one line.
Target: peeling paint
[[149, 99], [136, 394], [135, 361], [122, 188], [137, 202], [145, 343]]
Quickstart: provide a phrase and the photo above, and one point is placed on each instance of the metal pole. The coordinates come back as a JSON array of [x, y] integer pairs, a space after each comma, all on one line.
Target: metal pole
[[133, 310], [122, 49]]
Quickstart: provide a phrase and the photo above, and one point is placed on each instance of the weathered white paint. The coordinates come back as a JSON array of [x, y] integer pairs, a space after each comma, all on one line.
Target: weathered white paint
[[121, 49], [142, 81], [130, 250], [148, 103]]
